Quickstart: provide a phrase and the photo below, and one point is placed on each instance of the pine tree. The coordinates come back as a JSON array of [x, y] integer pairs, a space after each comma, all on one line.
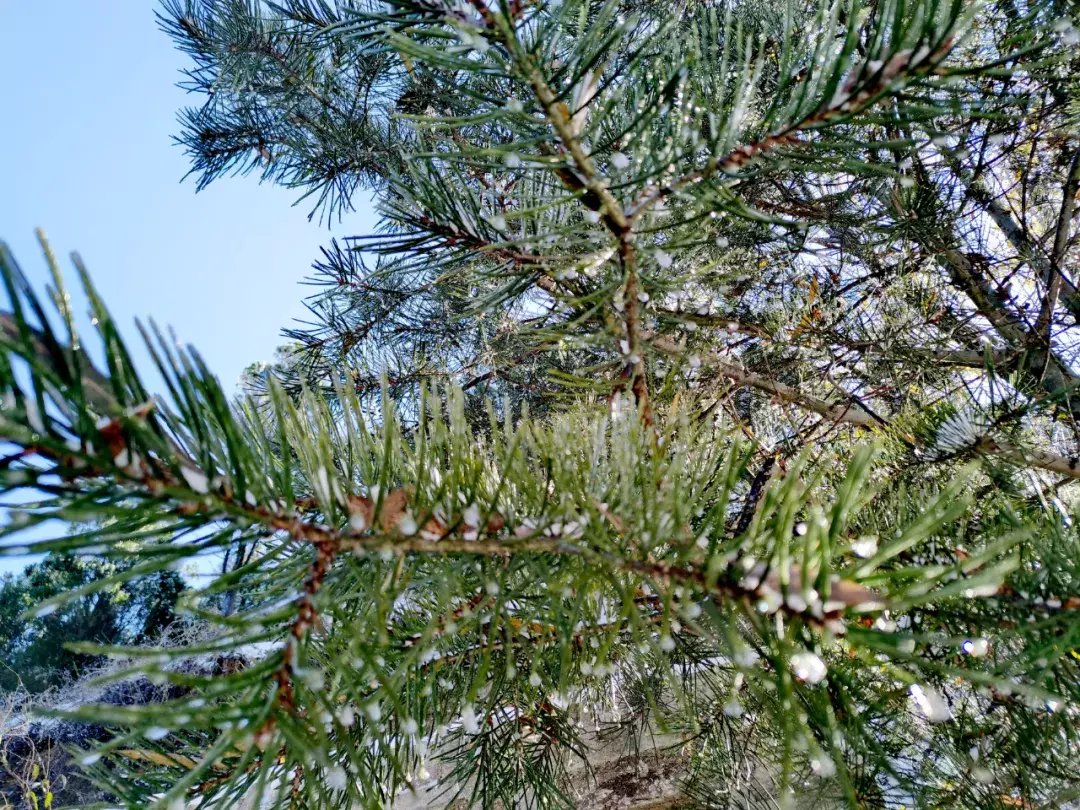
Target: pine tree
[[710, 376]]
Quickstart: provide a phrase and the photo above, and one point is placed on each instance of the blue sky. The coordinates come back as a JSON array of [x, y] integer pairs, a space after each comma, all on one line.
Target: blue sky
[[89, 108]]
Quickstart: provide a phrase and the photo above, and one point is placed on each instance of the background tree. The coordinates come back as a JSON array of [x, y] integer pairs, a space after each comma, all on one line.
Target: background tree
[[580, 428], [36, 652]]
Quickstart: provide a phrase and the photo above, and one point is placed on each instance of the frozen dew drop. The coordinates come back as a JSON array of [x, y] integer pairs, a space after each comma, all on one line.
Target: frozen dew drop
[[975, 647], [981, 591], [808, 667], [346, 716], [619, 160], [156, 733], [407, 525], [797, 602], [534, 679], [314, 680], [667, 643], [195, 480], [409, 726], [823, 766], [324, 487], [930, 703], [336, 778], [746, 657], [733, 708], [512, 160], [374, 712], [468, 720], [663, 259], [865, 546], [771, 600], [885, 623]]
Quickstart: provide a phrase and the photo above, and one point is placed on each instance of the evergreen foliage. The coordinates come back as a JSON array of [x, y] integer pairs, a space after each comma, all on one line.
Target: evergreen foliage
[[710, 374]]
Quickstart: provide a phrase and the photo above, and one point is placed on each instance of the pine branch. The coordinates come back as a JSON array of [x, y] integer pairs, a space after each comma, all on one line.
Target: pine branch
[[855, 415]]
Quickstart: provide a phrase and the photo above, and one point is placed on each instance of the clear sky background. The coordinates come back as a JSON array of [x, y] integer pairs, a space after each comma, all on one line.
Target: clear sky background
[[87, 114]]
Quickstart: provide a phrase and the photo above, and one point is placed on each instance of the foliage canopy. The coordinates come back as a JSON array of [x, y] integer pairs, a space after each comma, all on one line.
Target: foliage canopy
[[131, 611], [705, 377]]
